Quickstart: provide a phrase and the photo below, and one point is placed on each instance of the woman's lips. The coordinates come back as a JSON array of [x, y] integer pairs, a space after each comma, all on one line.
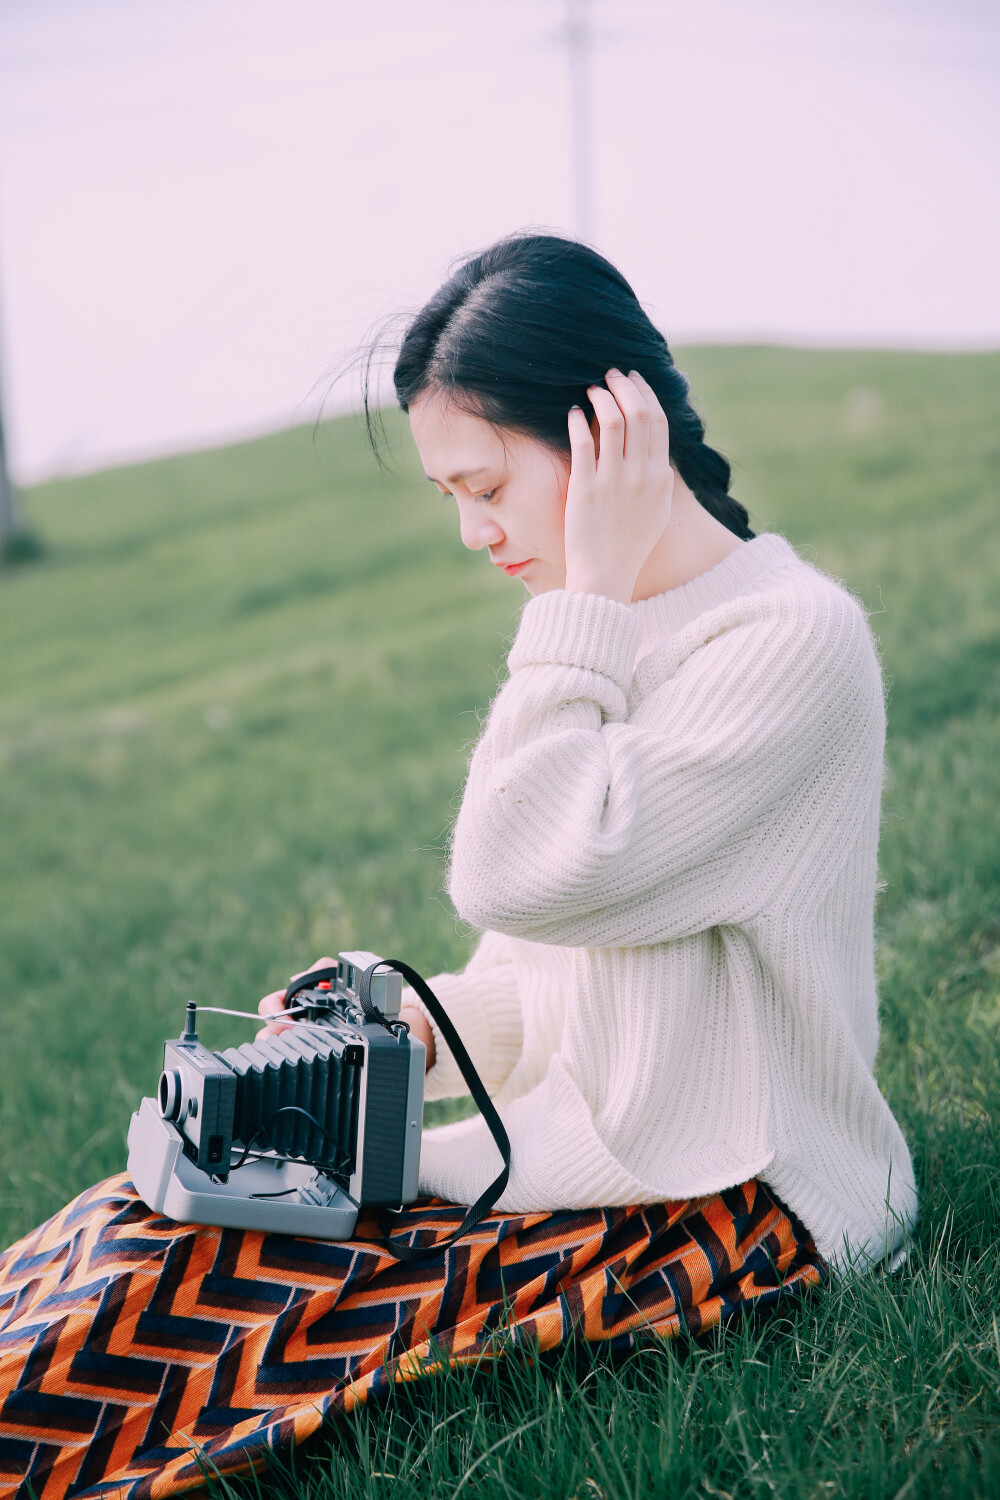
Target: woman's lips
[[512, 568]]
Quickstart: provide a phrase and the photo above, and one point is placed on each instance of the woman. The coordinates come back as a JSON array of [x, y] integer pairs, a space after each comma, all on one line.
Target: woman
[[670, 824], [667, 840]]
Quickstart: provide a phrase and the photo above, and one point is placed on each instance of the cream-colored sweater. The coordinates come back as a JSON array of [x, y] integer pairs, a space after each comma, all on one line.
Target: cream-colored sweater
[[668, 837]]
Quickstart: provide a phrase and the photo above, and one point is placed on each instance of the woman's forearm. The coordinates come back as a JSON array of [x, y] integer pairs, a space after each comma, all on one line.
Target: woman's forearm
[[420, 1028]]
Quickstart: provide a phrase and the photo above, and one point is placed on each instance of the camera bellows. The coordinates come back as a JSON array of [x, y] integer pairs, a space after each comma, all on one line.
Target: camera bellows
[[298, 1094]]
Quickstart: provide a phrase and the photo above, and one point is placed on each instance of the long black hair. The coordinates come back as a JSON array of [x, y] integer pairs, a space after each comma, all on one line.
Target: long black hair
[[518, 333]]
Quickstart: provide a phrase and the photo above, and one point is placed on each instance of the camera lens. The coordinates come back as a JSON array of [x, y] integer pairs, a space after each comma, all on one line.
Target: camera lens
[[169, 1094]]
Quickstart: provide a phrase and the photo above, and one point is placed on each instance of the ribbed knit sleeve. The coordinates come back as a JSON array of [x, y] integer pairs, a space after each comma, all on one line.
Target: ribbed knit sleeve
[[483, 1004], [590, 818]]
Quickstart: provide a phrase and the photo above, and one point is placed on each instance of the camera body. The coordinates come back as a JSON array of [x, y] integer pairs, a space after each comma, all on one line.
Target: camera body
[[322, 1118]]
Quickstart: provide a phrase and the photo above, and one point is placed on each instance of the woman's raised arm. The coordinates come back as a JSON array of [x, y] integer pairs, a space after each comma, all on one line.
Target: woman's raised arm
[[580, 827]]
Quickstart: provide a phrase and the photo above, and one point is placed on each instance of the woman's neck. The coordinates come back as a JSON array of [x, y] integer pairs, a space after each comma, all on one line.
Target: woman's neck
[[692, 542]]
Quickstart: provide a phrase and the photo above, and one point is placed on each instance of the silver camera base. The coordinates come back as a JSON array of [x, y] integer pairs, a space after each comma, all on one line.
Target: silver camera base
[[170, 1184]]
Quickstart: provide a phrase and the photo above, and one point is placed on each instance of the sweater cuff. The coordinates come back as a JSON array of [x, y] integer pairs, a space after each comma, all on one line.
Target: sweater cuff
[[567, 629]]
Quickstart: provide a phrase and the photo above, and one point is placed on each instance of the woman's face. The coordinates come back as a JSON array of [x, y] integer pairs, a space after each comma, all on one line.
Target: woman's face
[[510, 490]]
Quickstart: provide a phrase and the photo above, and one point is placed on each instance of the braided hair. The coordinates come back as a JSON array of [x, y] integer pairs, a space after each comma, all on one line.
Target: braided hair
[[520, 330]]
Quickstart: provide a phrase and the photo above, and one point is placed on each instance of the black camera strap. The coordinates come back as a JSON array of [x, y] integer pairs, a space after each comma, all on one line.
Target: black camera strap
[[484, 1203]]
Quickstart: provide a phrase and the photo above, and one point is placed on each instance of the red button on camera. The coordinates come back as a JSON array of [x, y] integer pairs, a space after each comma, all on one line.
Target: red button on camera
[[324, 984]]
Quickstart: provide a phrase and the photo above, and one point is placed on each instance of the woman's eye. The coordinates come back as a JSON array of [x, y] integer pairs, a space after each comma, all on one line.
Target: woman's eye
[[487, 496]]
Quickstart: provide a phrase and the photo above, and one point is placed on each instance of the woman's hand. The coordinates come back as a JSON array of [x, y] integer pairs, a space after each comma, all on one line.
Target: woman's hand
[[274, 1004], [618, 501]]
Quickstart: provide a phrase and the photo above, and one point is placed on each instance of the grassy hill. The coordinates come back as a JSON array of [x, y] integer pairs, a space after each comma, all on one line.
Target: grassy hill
[[235, 703]]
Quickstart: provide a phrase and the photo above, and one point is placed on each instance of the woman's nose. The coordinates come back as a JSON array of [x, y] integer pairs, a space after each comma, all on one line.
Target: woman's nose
[[478, 527]]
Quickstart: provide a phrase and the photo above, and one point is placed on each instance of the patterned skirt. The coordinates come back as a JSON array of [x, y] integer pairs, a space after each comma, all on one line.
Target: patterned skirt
[[138, 1355]]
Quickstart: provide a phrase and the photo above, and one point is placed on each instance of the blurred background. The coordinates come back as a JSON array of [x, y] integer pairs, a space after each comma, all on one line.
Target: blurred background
[[241, 669], [203, 202]]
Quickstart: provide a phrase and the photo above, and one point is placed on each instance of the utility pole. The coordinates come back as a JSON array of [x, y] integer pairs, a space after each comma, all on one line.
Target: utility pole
[[7, 523], [579, 46], [18, 543]]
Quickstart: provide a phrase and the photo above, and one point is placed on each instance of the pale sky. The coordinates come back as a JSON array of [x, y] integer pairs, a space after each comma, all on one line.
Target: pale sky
[[203, 203]]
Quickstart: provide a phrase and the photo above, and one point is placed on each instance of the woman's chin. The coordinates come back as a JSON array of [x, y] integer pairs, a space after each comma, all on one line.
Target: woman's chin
[[542, 580]]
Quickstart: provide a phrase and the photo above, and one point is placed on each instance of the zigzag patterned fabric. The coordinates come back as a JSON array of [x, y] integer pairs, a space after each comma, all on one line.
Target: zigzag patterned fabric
[[138, 1355]]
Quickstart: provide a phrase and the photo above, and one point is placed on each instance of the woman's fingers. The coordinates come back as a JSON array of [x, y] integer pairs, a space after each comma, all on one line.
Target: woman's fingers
[[611, 420], [581, 442], [635, 410], [659, 427], [274, 1003], [618, 513], [321, 963]]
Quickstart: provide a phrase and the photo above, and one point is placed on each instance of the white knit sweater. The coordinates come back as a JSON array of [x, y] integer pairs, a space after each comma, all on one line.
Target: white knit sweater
[[668, 836]]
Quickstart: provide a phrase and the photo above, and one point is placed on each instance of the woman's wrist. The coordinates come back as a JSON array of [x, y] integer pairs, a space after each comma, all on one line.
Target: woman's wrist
[[609, 585], [420, 1028]]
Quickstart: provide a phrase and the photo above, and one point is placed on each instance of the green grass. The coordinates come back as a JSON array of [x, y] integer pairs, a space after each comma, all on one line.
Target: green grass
[[235, 698]]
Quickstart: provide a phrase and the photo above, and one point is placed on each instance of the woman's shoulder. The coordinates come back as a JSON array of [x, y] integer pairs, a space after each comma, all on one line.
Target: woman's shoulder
[[800, 576], [788, 595], [813, 609], [788, 624], [763, 584]]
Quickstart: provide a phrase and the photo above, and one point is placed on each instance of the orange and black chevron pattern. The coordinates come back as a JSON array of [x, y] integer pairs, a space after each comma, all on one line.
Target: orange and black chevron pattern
[[137, 1354]]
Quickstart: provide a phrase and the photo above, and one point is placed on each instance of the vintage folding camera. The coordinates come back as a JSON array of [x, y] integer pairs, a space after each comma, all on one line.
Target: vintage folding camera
[[294, 1132]]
